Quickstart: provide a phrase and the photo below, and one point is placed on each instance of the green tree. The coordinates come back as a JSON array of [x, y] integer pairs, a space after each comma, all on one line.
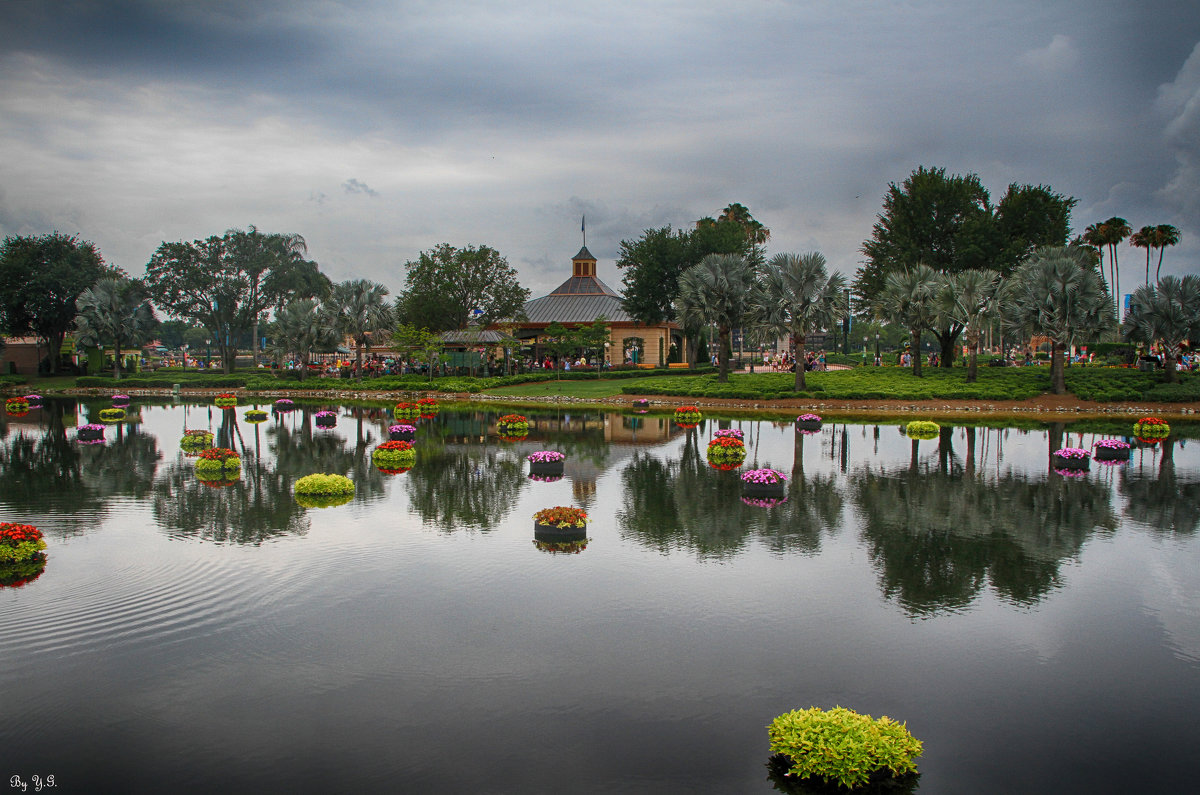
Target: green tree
[[1164, 235], [1115, 231], [115, 310], [968, 298], [1057, 295], [1029, 217], [1167, 313], [1094, 238], [358, 308], [652, 265], [799, 297], [446, 285], [40, 280], [1144, 238], [721, 289], [423, 345], [300, 329], [909, 299]]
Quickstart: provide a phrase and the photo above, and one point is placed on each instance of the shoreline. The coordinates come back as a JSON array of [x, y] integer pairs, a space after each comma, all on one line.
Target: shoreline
[[1044, 405]]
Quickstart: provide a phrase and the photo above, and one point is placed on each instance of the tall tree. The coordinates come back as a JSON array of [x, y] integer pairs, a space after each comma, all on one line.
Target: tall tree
[[1095, 237], [1167, 313], [968, 298], [300, 329], [421, 344], [909, 299], [798, 298], [1144, 238], [359, 308], [40, 280], [1115, 231], [1056, 294], [1164, 235], [1029, 217], [722, 289], [115, 310], [651, 268], [446, 285]]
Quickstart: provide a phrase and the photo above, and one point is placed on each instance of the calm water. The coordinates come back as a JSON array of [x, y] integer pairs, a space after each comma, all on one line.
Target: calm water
[[1038, 633]]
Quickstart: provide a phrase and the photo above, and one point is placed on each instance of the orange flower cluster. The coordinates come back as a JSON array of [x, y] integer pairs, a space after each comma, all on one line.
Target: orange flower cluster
[[219, 454], [399, 445], [16, 533]]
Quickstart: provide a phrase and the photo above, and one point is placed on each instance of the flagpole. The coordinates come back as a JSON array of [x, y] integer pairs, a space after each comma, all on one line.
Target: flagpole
[[583, 228]]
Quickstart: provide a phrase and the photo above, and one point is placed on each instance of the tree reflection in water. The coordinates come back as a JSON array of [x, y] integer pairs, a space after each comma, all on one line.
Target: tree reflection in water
[[938, 535], [1165, 503], [688, 505], [458, 486]]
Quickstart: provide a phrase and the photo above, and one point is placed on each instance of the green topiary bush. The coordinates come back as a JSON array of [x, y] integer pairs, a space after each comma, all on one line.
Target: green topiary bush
[[324, 491], [842, 746], [922, 429]]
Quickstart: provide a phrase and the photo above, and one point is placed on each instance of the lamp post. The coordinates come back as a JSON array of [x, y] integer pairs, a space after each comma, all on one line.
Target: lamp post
[[207, 352], [864, 350], [877, 348]]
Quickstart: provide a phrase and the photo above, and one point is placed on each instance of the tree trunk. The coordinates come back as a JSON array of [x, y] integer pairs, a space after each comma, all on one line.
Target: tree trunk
[[798, 345], [358, 367], [723, 354], [915, 344], [1058, 380], [54, 342], [972, 360], [254, 342], [1158, 269], [947, 341], [1169, 358], [117, 361]]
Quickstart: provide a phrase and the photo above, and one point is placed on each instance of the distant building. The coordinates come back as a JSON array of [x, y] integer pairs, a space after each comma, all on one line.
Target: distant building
[[584, 298]]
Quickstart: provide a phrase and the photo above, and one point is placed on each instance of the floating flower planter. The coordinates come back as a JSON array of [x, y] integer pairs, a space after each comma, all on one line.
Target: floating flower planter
[[688, 417], [1111, 450], [727, 451], [225, 400], [544, 478], [255, 415], [394, 455], [112, 415], [93, 433], [399, 471], [1072, 459], [120, 400], [1151, 429], [560, 523], [641, 403], [194, 441], [841, 748], [324, 491], [402, 433], [763, 484], [561, 547], [325, 419], [34, 401], [922, 429], [546, 463], [512, 427], [217, 462], [406, 411], [808, 422], [21, 556], [428, 408], [284, 405], [16, 405]]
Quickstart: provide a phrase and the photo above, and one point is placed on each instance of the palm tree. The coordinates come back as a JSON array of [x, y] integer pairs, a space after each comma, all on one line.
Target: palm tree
[[720, 288], [300, 328], [115, 310], [1054, 293], [967, 298], [1168, 313], [909, 299], [1144, 238], [1116, 230], [798, 298], [1094, 236], [690, 316], [1164, 235], [357, 308]]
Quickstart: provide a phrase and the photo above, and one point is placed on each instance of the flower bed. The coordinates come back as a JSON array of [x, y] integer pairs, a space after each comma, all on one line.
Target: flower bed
[[324, 491], [808, 422], [561, 547], [763, 483], [842, 747], [218, 462], [1151, 429], [284, 405], [402, 433], [394, 455], [406, 411], [15, 405], [194, 441], [325, 419], [428, 408], [730, 432], [34, 401], [93, 433], [641, 403], [1111, 450], [112, 415], [19, 542], [546, 463], [120, 400], [18, 573], [922, 429], [512, 425], [255, 415], [726, 452], [225, 400], [688, 416], [1071, 458], [560, 523]]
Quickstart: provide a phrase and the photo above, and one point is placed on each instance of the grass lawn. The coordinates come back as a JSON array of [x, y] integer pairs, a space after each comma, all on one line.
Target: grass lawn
[[599, 388]]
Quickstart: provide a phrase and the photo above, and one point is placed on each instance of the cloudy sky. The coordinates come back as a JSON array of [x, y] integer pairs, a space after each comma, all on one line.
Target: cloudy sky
[[379, 129]]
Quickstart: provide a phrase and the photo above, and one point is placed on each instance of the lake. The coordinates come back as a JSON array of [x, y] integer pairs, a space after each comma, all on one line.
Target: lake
[[1038, 633]]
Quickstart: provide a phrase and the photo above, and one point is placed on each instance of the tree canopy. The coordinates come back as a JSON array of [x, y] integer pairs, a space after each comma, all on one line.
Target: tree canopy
[[40, 280], [445, 286]]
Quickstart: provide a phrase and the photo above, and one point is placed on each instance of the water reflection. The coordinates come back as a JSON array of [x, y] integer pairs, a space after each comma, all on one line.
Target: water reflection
[[464, 486], [1167, 502]]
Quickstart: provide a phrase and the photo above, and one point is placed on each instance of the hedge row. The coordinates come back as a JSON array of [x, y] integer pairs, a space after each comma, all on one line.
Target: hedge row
[[392, 383]]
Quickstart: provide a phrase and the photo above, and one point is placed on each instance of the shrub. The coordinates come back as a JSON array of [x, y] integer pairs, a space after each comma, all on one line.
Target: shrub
[[512, 425], [324, 491], [218, 461], [1151, 428], [394, 455], [112, 415], [195, 440], [19, 542], [841, 746], [255, 415], [225, 400], [726, 453], [922, 429]]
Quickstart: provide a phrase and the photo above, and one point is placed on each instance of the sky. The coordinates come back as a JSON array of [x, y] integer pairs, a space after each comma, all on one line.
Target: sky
[[377, 130]]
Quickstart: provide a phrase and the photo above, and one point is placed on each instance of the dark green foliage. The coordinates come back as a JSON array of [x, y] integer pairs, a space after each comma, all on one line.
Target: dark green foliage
[[164, 380], [446, 284]]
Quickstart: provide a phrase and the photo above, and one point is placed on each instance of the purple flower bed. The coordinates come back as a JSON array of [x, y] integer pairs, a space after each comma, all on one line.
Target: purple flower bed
[[400, 428], [546, 457], [1071, 473], [809, 418], [1073, 452], [731, 432], [764, 476], [1112, 444]]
